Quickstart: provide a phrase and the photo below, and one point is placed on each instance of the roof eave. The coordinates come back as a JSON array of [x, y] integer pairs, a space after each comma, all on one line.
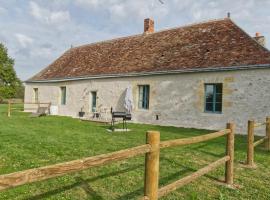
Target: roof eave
[[193, 70]]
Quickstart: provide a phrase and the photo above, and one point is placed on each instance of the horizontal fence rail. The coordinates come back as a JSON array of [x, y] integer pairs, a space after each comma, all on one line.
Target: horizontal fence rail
[[259, 124], [252, 144], [43, 173], [260, 141], [152, 155], [175, 185], [193, 140], [38, 104]]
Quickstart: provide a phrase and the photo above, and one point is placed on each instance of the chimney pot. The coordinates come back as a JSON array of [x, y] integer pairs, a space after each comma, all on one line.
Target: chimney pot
[[260, 39], [148, 26]]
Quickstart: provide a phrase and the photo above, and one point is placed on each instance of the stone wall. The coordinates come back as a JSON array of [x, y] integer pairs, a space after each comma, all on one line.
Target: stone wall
[[177, 99]]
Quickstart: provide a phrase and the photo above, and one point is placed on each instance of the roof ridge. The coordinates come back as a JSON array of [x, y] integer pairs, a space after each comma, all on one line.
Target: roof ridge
[[191, 24], [160, 31]]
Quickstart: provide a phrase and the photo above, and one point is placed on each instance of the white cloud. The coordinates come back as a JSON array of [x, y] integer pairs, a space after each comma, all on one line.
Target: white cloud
[[198, 13], [3, 11], [23, 40], [118, 11], [127, 10], [89, 3], [48, 16]]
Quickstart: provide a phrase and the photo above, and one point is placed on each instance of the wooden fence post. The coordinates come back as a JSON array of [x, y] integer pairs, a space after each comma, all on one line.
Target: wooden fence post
[[230, 152], [267, 142], [250, 150], [152, 166], [9, 108]]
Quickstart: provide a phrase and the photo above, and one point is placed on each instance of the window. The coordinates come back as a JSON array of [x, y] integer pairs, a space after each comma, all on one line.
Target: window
[[35, 90], [63, 95], [213, 98], [144, 96], [94, 101]]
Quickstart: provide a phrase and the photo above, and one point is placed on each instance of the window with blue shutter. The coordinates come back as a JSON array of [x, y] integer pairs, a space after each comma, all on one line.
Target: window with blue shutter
[[144, 96], [213, 98]]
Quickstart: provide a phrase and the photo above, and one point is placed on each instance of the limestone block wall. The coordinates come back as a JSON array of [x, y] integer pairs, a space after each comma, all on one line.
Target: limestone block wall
[[177, 99]]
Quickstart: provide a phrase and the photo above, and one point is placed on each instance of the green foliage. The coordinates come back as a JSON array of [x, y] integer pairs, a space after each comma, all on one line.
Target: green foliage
[[19, 92], [10, 85]]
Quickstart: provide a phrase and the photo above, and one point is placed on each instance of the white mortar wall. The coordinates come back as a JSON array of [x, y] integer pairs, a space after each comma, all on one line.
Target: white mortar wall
[[177, 99]]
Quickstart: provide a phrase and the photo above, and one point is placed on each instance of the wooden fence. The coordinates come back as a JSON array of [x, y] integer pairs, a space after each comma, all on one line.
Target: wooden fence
[[152, 151], [37, 105], [252, 144]]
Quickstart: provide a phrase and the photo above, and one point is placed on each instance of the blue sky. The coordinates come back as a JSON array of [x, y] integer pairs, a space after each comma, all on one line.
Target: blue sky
[[37, 32]]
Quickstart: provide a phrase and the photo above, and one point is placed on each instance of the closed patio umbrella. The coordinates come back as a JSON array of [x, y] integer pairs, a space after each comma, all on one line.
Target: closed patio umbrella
[[128, 99]]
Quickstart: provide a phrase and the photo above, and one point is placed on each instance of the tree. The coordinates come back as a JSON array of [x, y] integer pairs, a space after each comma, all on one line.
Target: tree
[[10, 84]]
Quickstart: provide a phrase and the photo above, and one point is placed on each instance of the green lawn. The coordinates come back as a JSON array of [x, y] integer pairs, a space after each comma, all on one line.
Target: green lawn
[[33, 142]]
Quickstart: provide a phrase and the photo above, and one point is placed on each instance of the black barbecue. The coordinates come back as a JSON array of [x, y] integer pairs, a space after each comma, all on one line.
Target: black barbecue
[[123, 115]]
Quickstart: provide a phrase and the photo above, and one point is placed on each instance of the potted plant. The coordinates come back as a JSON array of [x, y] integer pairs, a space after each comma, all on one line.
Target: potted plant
[[81, 113]]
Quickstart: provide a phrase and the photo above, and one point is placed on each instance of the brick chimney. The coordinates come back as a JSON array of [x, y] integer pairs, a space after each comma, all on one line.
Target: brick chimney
[[260, 39], [148, 26]]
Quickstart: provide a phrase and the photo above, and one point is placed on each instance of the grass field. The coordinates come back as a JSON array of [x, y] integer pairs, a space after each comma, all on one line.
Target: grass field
[[33, 142]]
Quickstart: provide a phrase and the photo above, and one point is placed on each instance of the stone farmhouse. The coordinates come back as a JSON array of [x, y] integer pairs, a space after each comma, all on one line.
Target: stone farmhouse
[[200, 75]]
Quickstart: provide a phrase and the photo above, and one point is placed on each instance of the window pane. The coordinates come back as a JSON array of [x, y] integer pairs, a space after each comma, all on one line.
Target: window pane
[[209, 98], [94, 101], [140, 104], [144, 96], [219, 98], [218, 107], [209, 107], [63, 95], [140, 96], [213, 97], [218, 88], [141, 91], [209, 89], [36, 95], [209, 93]]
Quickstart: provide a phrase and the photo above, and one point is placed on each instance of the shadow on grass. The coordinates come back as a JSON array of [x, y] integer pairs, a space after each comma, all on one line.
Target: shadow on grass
[[88, 189], [201, 147], [166, 180], [84, 184], [162, 181], [185, 171]]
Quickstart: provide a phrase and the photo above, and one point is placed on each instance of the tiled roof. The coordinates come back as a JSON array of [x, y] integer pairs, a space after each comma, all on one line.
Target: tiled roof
[[212, 44]]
